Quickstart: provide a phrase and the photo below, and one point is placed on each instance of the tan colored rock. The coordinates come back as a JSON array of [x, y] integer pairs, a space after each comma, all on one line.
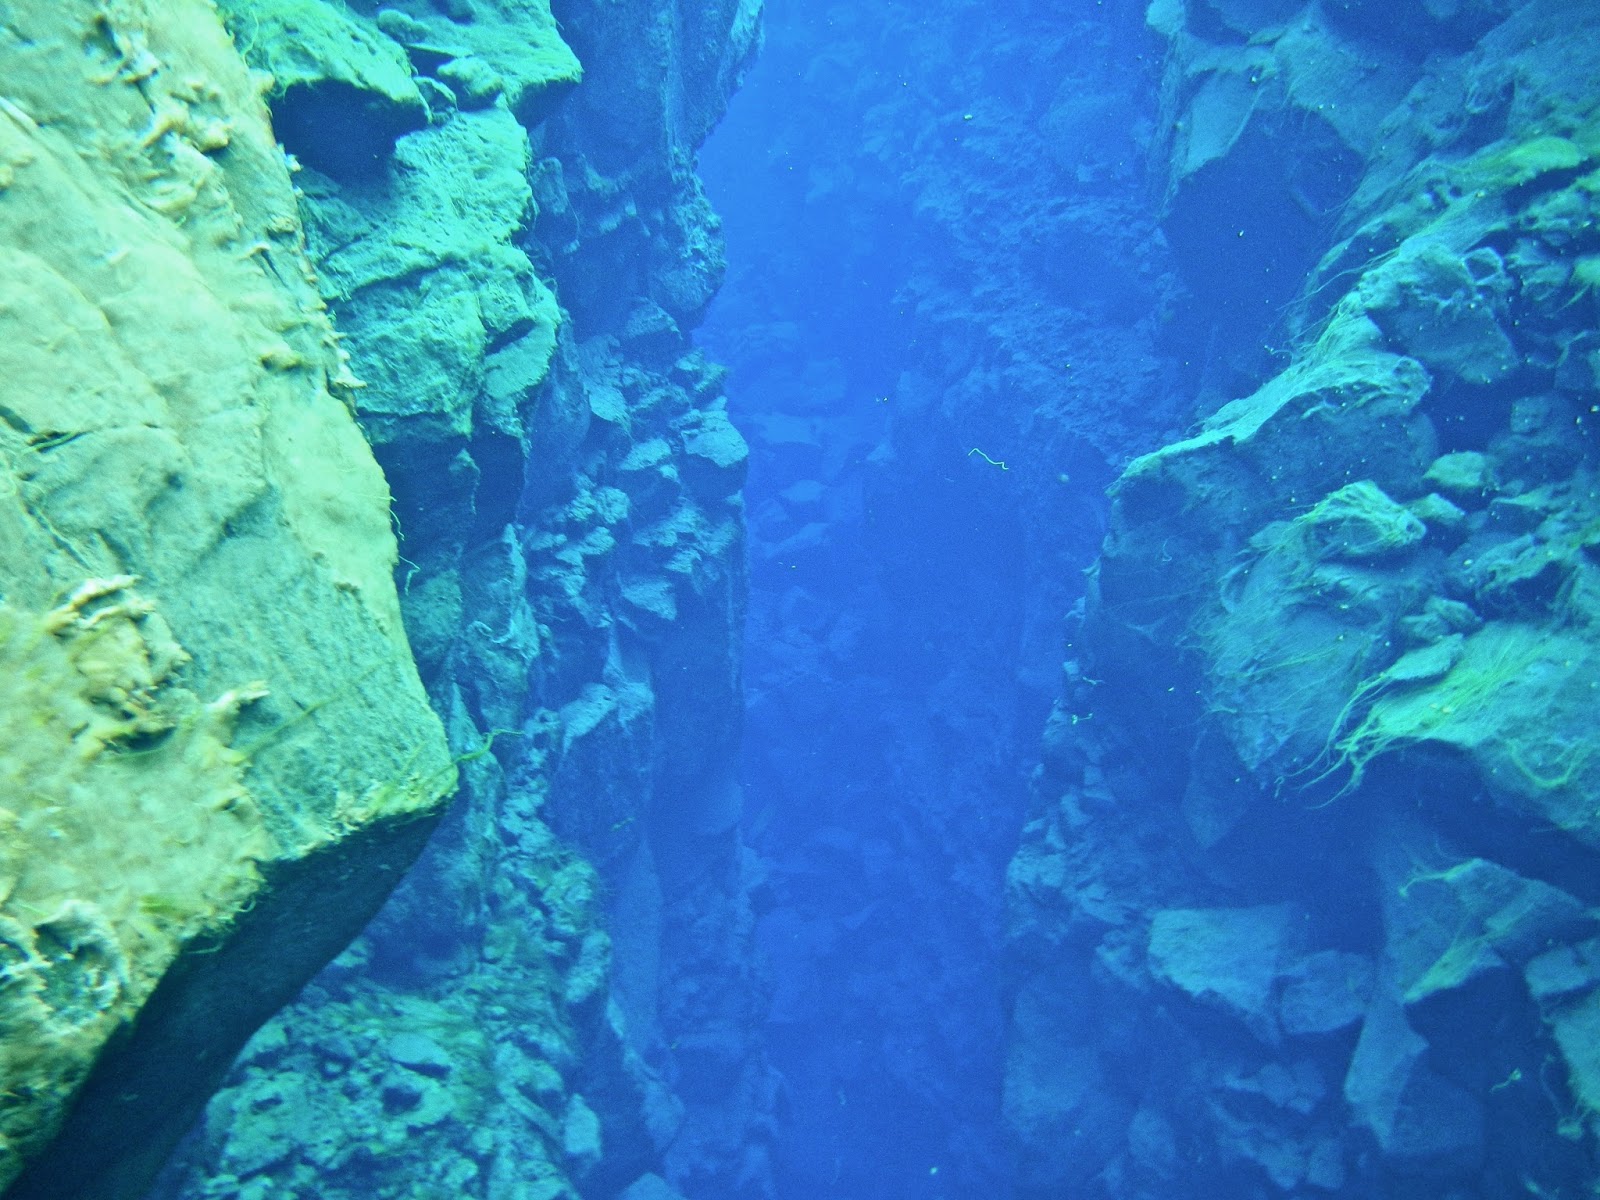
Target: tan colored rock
[[215, 755]]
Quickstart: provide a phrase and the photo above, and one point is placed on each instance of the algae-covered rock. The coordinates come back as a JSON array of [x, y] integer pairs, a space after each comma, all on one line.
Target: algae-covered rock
[[216, 752], [487, 49], [1433, 305], [1576, 1029], [1359, 522], [1345, 645], [1449, 928], [343, 92], [1465, 474], [1329, 545], [506, 422], [426, 282], [1518, 701], [1227, 958]]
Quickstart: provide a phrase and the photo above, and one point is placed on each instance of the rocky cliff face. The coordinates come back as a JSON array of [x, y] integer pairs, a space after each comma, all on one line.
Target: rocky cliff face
[[1306, 904], [505, 229], [216, 753], [511, 240]]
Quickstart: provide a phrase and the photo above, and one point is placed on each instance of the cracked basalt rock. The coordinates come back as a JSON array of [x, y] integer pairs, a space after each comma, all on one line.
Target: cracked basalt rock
[[566, 496], [218, 755], [1343, 641]]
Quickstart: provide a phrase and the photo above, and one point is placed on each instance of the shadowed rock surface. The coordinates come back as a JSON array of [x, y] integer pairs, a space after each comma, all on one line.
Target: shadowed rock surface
[[1292, 908]]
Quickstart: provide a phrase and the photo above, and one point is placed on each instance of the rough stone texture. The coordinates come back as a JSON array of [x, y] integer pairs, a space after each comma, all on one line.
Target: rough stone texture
[[514, 281], [1339, 660], [217, 754]]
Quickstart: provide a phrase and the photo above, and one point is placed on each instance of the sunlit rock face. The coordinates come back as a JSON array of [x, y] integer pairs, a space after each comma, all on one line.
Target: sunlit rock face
[[217, 751], [1306, 904], [505, 227], [492, 252]]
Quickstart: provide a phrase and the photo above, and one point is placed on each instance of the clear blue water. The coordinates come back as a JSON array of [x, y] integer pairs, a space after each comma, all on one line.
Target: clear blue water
[[901, 654], [958, 304]]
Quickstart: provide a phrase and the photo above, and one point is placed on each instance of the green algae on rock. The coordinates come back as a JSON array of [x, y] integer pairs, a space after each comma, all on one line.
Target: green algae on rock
[[1351, 626], [1420, 339], [217, 751], [129, 836], [343, 92], [509, 284]]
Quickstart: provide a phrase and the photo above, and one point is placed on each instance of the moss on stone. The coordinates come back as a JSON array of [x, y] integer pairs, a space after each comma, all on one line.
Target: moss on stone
[[194, 537], [510, 47], [1465, 474], [128, 833], [1358, 522], [1517, 701], [1522, 162], [343, 92]]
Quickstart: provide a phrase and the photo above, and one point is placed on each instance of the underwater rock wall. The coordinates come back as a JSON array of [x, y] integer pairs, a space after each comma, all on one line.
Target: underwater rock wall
[[215, 753], [1307, 906], [505, 225]]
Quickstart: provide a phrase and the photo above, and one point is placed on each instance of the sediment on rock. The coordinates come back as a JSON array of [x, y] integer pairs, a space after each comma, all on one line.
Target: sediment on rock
[[217, 752], [1347, 639]]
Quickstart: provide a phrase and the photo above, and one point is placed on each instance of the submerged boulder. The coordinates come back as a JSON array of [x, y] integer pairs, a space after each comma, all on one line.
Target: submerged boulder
[[1344, 645], [1226, 958], [215, 754], [343, 91]]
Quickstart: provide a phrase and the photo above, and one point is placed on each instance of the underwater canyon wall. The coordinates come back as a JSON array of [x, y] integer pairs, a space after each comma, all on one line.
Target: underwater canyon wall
[[215, 752], [501, 220], [510, 237], [1306, 905]]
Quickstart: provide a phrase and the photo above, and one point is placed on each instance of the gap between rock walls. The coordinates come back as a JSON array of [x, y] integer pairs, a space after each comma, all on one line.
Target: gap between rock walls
[[1009, 598], [1309, 291]]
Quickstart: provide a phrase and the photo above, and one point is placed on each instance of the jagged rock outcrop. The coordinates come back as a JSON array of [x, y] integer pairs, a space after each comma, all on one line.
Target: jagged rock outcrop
[[507, 231], [217, 753], [1307, 903]]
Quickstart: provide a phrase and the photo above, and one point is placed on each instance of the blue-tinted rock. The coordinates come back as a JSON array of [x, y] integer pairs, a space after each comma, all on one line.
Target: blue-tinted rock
[[1450, 927], [1563, 971], [1227, 958], [419, 1053], [1325, 992], [1421, 1122], [650, 1187]]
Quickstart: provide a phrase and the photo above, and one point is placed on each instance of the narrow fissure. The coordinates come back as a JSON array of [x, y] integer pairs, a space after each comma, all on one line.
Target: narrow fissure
[[677, 600]]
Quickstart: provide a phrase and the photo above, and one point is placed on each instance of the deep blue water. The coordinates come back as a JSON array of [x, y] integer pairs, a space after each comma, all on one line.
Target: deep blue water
[[958, 304], [901, 656]]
